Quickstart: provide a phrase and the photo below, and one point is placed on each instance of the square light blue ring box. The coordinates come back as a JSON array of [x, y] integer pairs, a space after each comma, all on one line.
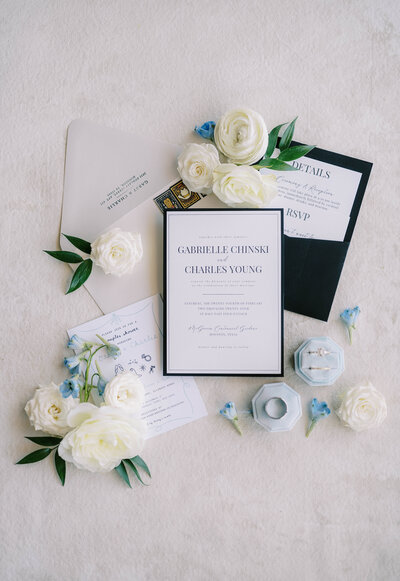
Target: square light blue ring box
[[319, 361]]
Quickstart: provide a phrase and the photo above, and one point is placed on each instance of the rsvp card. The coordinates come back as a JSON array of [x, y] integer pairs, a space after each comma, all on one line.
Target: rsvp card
[[223, 292], [170, 402]]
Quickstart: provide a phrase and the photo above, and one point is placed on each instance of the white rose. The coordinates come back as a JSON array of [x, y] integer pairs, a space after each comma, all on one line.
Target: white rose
[[242, 136], [196, 164], [125, 390], [103, 436], [243, 186], [48, 410], [362, 408], [117, 252]]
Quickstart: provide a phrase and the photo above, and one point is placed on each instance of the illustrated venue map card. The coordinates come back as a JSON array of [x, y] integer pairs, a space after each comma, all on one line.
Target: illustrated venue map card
[[170, 402], [223, 292]]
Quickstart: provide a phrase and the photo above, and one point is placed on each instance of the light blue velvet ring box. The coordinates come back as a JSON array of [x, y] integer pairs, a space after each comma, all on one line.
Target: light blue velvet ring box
[[319, 361], [276, 407]]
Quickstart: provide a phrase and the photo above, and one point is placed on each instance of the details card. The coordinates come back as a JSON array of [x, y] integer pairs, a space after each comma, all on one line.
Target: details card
[[317, 198], [137, 330], [223, 292]]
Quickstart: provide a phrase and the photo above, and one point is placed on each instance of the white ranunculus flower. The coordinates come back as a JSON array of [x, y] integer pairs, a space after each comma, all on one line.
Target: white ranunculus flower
[[48, 410], [243, 186], [125, 390], [242, 136], [101, 438], [196, 164], [117, 252], [362, 408]]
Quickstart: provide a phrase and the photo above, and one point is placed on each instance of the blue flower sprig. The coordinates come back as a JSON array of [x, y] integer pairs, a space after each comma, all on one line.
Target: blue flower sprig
[[318, 410], [229, 412], [80, 383], [206, 130], [349, 318]]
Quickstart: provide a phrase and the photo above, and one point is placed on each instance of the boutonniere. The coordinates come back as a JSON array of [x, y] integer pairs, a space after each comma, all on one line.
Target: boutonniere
[[115, 252], [241, 146]]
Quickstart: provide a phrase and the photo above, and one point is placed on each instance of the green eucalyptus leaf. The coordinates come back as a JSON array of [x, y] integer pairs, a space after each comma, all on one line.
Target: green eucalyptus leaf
[[44, 440], [135, 471], [123, 473], [287, 136], [295, 152], [141, 464], [35, 456], [60, 467], [81, 275], [79, 243], [272, 139], [64, 256], [274, 163]]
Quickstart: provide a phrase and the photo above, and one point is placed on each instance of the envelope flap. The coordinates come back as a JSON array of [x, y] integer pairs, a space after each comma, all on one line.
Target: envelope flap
[[107, 174]]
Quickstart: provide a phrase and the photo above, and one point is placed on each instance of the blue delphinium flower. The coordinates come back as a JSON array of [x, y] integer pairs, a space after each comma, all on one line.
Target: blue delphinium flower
[[229, 412], [101, 385], [78, 344], [74, 363], [318, 410], [70, 387], [349, 318], [206, 130], [112, 350]]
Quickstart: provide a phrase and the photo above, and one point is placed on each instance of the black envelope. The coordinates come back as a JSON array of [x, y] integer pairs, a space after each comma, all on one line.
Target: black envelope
[[313, 267]]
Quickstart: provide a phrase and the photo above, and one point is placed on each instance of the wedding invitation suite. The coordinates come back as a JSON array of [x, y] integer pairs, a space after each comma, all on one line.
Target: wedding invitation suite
[[223, 292], [137, 329]]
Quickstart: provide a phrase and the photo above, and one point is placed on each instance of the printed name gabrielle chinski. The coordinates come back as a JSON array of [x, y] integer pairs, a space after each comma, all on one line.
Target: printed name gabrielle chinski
[[223, 276]]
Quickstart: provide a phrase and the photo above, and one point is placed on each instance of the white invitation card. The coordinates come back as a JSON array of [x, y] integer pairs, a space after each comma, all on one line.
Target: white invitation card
[[137, 330], [223, 292]]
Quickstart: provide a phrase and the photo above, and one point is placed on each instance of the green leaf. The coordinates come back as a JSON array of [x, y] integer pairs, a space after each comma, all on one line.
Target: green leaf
[[274, 163], [272, 139], [287, 136], [36, 456], [60, 467], [79, 243], [64, 256], [135, 471], [81, 275], [123, 473], [142, 464], [295, 152], [44, 440]]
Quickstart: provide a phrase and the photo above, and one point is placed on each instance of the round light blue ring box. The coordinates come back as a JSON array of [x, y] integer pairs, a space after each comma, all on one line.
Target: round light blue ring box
[[319, 370]]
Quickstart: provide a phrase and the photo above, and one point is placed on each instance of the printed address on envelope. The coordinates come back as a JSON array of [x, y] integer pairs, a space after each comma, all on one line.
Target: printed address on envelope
[[137, 330]]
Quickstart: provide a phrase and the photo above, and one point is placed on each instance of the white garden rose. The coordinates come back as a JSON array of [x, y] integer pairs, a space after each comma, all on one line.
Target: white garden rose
[[125, 390], [117, 252], [196, 164], [362, 408], [48, 410], [242, 136], [101, 438], [243, 186]]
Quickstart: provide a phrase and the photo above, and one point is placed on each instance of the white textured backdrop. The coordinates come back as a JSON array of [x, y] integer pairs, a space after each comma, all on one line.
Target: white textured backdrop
[[262, 507]]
